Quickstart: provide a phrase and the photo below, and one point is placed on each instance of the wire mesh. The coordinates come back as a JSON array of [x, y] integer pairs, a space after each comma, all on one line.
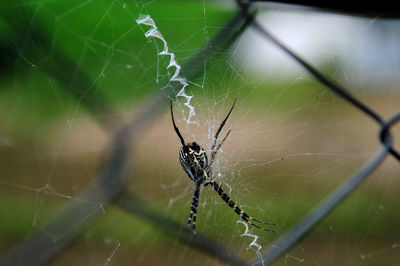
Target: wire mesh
[[110, 184]]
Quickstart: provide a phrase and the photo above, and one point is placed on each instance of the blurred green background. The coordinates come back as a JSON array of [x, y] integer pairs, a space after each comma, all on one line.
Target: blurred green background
[[71, 71]]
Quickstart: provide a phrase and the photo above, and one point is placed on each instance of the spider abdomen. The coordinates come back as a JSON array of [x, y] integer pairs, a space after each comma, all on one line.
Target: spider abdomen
[[194, 160]]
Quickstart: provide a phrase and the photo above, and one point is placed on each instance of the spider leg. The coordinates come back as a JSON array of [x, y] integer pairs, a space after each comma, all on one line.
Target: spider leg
[[213, 153], [193, 207], [222, 142], [248, 219], [175, 127], [220, 128]]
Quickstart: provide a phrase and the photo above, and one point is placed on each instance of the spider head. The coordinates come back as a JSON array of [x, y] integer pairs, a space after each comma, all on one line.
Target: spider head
[[193, 147]]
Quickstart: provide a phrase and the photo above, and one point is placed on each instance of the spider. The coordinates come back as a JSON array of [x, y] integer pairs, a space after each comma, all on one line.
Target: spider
[[195, 163]]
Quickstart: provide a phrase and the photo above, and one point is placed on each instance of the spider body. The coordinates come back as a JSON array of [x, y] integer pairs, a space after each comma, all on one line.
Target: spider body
[[194, 162]]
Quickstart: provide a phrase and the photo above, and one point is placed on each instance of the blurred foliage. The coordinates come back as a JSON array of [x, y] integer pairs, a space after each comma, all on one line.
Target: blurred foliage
[[50, 46]]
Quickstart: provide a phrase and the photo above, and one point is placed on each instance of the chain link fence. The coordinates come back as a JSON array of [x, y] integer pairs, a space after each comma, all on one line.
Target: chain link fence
[[110, 185]]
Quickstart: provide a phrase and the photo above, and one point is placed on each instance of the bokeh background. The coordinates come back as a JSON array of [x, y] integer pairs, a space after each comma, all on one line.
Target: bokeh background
[[71, 72]]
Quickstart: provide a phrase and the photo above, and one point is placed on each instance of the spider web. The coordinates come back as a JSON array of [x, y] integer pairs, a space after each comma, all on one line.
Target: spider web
[[73, 71]]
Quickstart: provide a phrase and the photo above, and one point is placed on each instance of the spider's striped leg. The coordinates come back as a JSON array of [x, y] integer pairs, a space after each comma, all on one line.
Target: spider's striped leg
[[248, 219], [193, 207], [214, 152], [221, 126]]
